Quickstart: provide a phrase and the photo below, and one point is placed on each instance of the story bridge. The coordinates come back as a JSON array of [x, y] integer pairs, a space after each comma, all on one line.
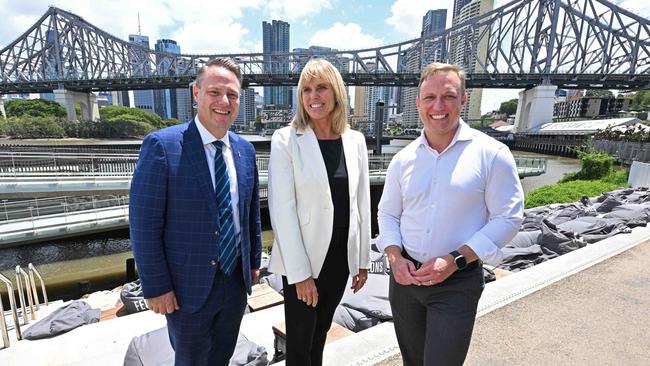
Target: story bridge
[[522, 44]]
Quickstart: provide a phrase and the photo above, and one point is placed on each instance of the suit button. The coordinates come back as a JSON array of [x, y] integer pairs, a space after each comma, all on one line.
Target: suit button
[[213, 262], [216, 232]]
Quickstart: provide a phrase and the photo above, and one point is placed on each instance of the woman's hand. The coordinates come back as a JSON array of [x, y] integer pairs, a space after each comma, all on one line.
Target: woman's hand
[[307, 292], [359, 280]]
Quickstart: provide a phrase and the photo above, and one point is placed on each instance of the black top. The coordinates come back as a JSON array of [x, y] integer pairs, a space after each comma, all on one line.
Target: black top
[[337, 174]]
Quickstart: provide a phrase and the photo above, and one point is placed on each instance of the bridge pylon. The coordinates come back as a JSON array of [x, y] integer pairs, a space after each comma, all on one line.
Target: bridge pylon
[[2, 108], [535, 107], [69, 99]]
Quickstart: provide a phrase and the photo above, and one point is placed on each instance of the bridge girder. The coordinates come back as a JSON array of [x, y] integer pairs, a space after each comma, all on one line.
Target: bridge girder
[[571, 43]]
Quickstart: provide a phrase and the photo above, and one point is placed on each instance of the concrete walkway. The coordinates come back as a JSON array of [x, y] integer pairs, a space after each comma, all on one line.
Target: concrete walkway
[[599, 316]]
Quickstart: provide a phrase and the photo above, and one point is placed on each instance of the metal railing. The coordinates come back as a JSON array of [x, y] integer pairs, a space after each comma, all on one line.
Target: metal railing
[[37, 207], [32, 298], [32, 270], [19, 164], [13, 310], [21, 276]]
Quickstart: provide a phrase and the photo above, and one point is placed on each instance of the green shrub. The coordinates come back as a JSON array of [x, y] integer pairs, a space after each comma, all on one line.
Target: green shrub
[[114, 112], [595, 165], [34, 108], [120, 128], [81, 129], [34, 128], [170, 122]]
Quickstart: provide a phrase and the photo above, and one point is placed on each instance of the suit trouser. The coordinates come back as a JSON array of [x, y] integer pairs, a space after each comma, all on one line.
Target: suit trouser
[[434, 324], [307, 326], [209, 336]]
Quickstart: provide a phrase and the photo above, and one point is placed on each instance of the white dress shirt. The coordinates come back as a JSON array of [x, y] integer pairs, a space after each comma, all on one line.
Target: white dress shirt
[[210, 150], [434, 203]]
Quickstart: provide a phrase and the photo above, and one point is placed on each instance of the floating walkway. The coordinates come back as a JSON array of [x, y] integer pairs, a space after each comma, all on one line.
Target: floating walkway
[[22, 174]]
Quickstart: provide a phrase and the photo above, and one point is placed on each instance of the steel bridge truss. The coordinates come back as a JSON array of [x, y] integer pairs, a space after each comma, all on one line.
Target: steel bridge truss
[[568, 43]]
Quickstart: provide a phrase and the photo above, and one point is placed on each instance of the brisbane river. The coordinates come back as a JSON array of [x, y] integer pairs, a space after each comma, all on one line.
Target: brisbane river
[[97, 262]]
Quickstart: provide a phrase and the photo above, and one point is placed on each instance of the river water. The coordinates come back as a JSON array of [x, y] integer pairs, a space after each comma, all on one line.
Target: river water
[[100, 260]]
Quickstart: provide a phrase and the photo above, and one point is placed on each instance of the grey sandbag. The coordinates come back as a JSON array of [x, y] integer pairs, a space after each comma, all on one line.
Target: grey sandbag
[[62, 320], [133, 298], [154, 348]]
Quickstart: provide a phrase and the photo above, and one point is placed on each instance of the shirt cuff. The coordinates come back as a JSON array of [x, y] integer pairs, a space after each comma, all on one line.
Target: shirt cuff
[[485, 249], [387, 239]]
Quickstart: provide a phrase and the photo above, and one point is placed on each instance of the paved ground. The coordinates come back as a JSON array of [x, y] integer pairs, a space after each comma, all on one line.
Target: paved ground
[[600, 316]]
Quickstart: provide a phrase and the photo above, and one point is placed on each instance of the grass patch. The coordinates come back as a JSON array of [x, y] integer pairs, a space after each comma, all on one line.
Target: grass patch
[[568, 192]]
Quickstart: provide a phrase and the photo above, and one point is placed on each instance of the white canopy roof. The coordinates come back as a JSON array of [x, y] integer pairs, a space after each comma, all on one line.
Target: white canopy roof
[[583, 127]]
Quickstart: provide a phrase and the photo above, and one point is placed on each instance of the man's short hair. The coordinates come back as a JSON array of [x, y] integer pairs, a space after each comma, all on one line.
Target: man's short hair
[[437, 68], [225, 62]]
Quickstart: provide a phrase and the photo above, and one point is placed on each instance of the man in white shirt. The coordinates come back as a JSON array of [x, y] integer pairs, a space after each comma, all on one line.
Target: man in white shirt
[[451, 199]]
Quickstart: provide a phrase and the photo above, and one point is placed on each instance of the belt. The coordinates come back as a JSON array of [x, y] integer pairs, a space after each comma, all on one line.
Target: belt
[[468, 267]]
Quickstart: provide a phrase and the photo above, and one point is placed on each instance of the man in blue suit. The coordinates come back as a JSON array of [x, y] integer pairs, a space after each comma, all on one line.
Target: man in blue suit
[[195, 221]]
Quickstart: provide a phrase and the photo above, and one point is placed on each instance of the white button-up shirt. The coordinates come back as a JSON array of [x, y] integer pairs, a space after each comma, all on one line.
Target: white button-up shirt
[[434, 203], [210, 150]]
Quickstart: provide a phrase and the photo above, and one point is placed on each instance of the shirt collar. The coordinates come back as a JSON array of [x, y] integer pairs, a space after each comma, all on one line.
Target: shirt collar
[[463, 133], [207, 138]]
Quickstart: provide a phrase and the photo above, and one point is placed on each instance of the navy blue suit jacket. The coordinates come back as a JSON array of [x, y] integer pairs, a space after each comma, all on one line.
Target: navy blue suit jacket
[[174, 219]]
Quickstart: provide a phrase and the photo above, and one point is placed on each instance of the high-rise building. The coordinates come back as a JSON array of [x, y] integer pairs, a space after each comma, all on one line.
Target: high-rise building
[[275, 37], [140, 66], [433, 50], [246, 116], [365, 102], [434, 21], [459, 4], [461, 47], [165, 101]]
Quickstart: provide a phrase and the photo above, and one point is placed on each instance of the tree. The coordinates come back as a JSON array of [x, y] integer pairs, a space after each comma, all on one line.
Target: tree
[[640, 100], [170, 122], [258, 123], [120, 113], [34, 108], [509, 107], [600, 93]]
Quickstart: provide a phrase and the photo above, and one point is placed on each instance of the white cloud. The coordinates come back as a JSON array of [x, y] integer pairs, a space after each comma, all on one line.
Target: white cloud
[[292, 10], [638, 7], [492, 98], [344, 37], [199, 26], [406, 15]]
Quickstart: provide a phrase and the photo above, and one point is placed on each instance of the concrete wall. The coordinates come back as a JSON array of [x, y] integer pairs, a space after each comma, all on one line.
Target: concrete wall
[[639, 175]]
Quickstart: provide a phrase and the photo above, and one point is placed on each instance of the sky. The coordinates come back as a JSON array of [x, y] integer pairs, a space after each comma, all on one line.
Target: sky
[[234, 26]]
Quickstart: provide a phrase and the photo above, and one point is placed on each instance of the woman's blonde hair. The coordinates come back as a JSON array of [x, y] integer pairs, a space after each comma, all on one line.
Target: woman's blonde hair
[[319, 68]]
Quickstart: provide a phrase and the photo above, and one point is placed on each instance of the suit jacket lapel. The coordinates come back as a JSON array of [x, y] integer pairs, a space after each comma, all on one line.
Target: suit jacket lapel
[[193, 144], [351, 160]]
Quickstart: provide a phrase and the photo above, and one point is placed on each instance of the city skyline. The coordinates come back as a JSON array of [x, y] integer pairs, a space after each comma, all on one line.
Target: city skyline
[[328, 23]]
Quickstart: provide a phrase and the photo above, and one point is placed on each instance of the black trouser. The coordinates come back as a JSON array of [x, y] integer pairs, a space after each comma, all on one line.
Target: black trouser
[[434, 324], [307, 326]]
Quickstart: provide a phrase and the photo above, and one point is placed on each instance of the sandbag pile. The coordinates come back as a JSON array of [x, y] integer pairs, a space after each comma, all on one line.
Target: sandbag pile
[[553, 230]]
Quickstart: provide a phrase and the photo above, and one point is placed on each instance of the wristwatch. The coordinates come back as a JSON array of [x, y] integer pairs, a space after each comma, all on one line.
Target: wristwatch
[[459, 259]]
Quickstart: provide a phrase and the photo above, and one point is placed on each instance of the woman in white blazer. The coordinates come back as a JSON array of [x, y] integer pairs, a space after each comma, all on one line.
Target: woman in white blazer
[[319, 202]]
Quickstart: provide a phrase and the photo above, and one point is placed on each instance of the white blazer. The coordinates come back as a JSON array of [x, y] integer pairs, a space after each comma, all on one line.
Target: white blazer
[[300, 203]]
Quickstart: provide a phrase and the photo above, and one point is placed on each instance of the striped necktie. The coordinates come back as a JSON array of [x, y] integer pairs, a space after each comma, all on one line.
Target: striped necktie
[[227, 250]]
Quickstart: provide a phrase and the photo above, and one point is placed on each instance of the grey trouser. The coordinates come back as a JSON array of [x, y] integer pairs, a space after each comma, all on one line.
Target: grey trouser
[[434, 323]]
